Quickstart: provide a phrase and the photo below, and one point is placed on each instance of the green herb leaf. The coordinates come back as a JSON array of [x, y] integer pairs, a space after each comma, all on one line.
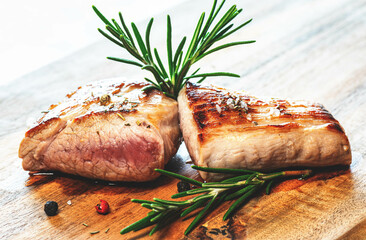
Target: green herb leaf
[[190, 192], [139, 224], [214, 74], [179, 52], [223, 47], [147, 39], [194, 41], [239, 202], [200, 216], [180, 177], [110, 38], [126, 30], [236, 179], [125, 61], [169, 45], [195, 206], [157, 56], [268, 187], [236, 29], [100, 15], [140, 42]]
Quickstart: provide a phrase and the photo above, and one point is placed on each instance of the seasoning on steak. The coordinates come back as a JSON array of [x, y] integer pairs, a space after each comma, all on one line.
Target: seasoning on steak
[[110, 130], [224, 129]]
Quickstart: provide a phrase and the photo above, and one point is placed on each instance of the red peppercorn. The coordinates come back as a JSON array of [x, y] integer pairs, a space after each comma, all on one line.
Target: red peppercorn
[[102, 207]]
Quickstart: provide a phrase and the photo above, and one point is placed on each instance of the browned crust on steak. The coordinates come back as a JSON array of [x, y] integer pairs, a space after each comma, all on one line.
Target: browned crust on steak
[[90, 104], [204, 103]]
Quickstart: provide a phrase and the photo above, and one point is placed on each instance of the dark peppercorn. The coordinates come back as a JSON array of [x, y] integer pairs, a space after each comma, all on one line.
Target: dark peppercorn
[[51, 208], [183, 186]]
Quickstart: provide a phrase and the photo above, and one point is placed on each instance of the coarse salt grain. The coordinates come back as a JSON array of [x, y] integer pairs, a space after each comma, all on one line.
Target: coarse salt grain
[[244, 106], [218, 108], [277, 112], [237, 100], [230, 103], [249, 117]]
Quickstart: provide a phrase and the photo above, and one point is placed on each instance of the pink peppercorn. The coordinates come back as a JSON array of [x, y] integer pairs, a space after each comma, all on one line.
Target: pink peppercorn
[[102, 207]]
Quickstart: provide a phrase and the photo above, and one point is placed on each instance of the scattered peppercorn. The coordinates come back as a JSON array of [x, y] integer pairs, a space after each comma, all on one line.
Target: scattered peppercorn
[[183, 186], [105, 100], [102, 207], [51, 208]]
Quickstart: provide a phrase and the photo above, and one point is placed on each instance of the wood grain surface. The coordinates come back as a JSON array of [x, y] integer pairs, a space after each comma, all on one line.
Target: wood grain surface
[[305, 49]]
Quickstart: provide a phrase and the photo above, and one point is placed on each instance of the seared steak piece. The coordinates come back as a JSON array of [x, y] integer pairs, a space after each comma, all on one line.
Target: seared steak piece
[[225, 129], [110, 130]]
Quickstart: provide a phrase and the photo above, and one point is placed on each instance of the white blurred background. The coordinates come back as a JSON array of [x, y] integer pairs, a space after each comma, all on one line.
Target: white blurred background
[[38, 32]]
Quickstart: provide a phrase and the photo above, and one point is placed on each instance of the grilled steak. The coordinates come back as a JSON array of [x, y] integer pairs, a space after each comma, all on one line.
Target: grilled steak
[[110, 130], [234, 130]]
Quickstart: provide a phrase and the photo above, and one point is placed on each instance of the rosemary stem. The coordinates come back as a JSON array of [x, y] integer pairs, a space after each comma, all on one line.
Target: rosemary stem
[[306, 172], [223, 185]]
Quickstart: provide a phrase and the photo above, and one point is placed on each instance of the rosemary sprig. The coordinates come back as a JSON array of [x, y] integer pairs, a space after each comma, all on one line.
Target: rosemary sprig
[[171, 79], [209, 196]]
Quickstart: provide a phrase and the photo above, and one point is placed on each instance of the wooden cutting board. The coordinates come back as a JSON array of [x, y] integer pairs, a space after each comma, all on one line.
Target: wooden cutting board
[[313, 50]]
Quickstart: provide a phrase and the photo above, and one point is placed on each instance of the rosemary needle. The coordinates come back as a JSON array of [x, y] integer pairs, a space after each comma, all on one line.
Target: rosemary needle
[[207, 197], [171, 79]]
